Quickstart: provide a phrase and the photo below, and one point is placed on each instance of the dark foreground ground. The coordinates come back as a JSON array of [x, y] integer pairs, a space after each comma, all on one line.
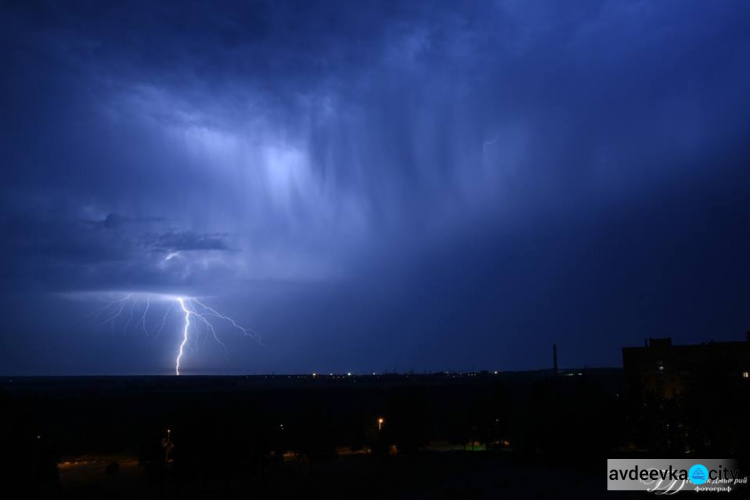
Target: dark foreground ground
[[479, 435], [426, 475]]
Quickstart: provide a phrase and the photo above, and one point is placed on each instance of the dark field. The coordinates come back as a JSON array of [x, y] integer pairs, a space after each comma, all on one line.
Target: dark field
[[480, 435]]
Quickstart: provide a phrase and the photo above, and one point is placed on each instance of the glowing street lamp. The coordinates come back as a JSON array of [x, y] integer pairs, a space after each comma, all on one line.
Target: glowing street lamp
[[167, 444], [380, 423]]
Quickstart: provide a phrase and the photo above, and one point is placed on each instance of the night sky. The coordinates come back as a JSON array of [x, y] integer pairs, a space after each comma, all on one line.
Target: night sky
[[371, 185]]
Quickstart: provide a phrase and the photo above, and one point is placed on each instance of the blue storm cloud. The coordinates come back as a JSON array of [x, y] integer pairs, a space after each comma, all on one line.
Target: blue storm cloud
[[404, 184]]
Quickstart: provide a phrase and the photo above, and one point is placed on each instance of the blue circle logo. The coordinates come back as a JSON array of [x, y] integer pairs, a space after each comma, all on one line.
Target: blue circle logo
[[698, 474]]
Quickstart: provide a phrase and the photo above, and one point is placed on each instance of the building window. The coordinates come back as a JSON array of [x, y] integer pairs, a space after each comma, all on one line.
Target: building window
[[745, 375], [660, 366]]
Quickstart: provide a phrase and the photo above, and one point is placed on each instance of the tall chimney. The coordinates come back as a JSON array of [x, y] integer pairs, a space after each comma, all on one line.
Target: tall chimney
[[554, 357]]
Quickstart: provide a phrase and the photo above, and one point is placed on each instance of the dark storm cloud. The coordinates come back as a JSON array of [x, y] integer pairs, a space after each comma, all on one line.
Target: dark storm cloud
[[114, 221], [188, 241], [451, 178], [53, 251]]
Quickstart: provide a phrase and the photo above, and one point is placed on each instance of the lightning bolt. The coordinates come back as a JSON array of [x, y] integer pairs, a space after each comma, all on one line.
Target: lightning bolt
[[145, 313], [246, 331], [112, 310], [130, 318], [195, 314], [184, 335], [164, 320]]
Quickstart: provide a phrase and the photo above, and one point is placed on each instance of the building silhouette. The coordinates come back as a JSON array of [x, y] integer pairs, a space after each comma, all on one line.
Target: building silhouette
[[663, 370]]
